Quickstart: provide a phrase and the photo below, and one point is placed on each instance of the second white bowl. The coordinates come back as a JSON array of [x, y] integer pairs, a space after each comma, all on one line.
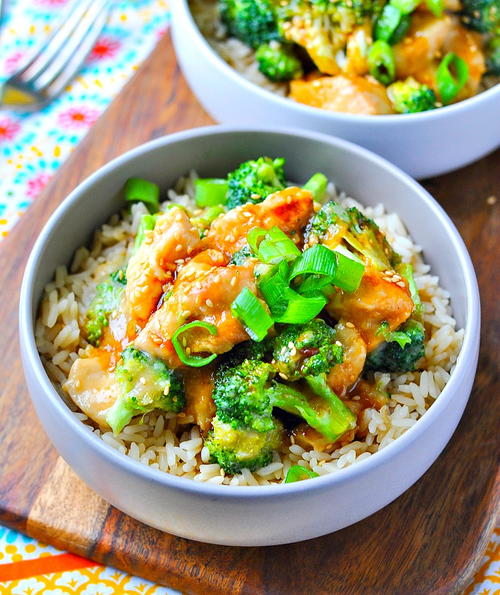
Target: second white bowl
[[424, 144]]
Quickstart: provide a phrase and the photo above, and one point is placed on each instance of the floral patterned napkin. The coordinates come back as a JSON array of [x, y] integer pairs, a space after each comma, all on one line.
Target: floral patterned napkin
[[33, 146]]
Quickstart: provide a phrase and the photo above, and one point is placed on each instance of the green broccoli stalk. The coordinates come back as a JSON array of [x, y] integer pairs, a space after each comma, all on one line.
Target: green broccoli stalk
[[323, 410], [278, 62], [238, 448], [107, 299], [306, 350], [252, 21], [348, 229], [254, 180], [481, 15], [410, 96], [146, 383], [401, 350]]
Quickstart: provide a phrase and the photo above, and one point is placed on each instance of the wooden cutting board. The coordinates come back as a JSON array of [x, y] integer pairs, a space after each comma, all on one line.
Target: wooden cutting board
[[428, 541]]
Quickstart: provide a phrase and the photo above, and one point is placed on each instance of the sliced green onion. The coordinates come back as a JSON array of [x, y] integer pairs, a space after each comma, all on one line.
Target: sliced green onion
[[272, 246], [317, 260], [317, 185], [387, 23], [209, 192], [401, 30], [249, 310], [194, 361], [449, 84], [301, 309], [349, 273], [338, 269], [286, 305], [435, 6], [146, 223], [406, 270], [274, 286], [381, 62], [139, 190], [405, 6], [299, 473]]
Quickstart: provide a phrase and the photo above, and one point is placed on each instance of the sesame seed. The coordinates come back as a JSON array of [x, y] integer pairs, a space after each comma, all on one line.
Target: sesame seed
[[247, 214], [338, 343], [401, 284], [178, 248], [233, 281], [142, 380], [255, 196], [185, 313], [291, 345], [349, 325], [396, 278], [284, 376], [209, 303]]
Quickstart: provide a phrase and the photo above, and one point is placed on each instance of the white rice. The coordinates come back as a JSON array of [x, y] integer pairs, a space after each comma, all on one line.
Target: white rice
[[171, 443]]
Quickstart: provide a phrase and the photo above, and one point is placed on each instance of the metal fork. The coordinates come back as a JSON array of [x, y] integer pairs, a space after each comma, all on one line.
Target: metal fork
[[47, 73]]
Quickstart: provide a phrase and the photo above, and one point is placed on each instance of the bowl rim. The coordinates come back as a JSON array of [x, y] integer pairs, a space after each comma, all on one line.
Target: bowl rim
[[218, 62], [33, 361]]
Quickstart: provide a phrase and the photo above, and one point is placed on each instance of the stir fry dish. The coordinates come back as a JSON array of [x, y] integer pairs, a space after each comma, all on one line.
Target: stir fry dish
[[262, 315], [369, 56]]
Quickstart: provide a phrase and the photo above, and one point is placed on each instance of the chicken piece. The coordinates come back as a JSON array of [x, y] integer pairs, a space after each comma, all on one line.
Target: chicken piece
[[289, 209], [357, 50], [309, 438], [152, 266], [92, 386], [379, 298], [199, 385], [428, 41], [342, 93], [344, 375], [204, 290]]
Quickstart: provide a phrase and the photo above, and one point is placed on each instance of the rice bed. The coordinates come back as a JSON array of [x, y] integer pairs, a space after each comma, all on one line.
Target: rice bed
[[172, 443]]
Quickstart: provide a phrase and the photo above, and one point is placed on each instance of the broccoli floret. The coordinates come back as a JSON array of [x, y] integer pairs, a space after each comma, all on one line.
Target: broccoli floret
[[238, 448], [401, 350], [306, 350], [146, 383], [245, 395], [481, 15], [493, 56], [359, 233], [252, 21], [253, 350], [278, 62], [409, 96], [106, 300], [322, 409], [240, 395], [242, 255], [253, 180], [322, 27]]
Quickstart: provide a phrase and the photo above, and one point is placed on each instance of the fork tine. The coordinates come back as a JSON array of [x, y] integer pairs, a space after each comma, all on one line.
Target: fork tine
[[77, 46], [56, 41], [75, 61]]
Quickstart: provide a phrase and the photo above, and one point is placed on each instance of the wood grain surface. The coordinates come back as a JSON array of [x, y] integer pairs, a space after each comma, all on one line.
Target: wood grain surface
[[428, 541]]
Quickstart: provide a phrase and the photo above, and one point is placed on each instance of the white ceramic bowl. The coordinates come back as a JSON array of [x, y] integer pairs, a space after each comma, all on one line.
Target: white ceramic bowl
[[252, 515], [425, 144]]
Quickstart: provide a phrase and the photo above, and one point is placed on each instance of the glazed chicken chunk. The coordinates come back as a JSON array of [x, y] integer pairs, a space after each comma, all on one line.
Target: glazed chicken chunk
[[153, 265]]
